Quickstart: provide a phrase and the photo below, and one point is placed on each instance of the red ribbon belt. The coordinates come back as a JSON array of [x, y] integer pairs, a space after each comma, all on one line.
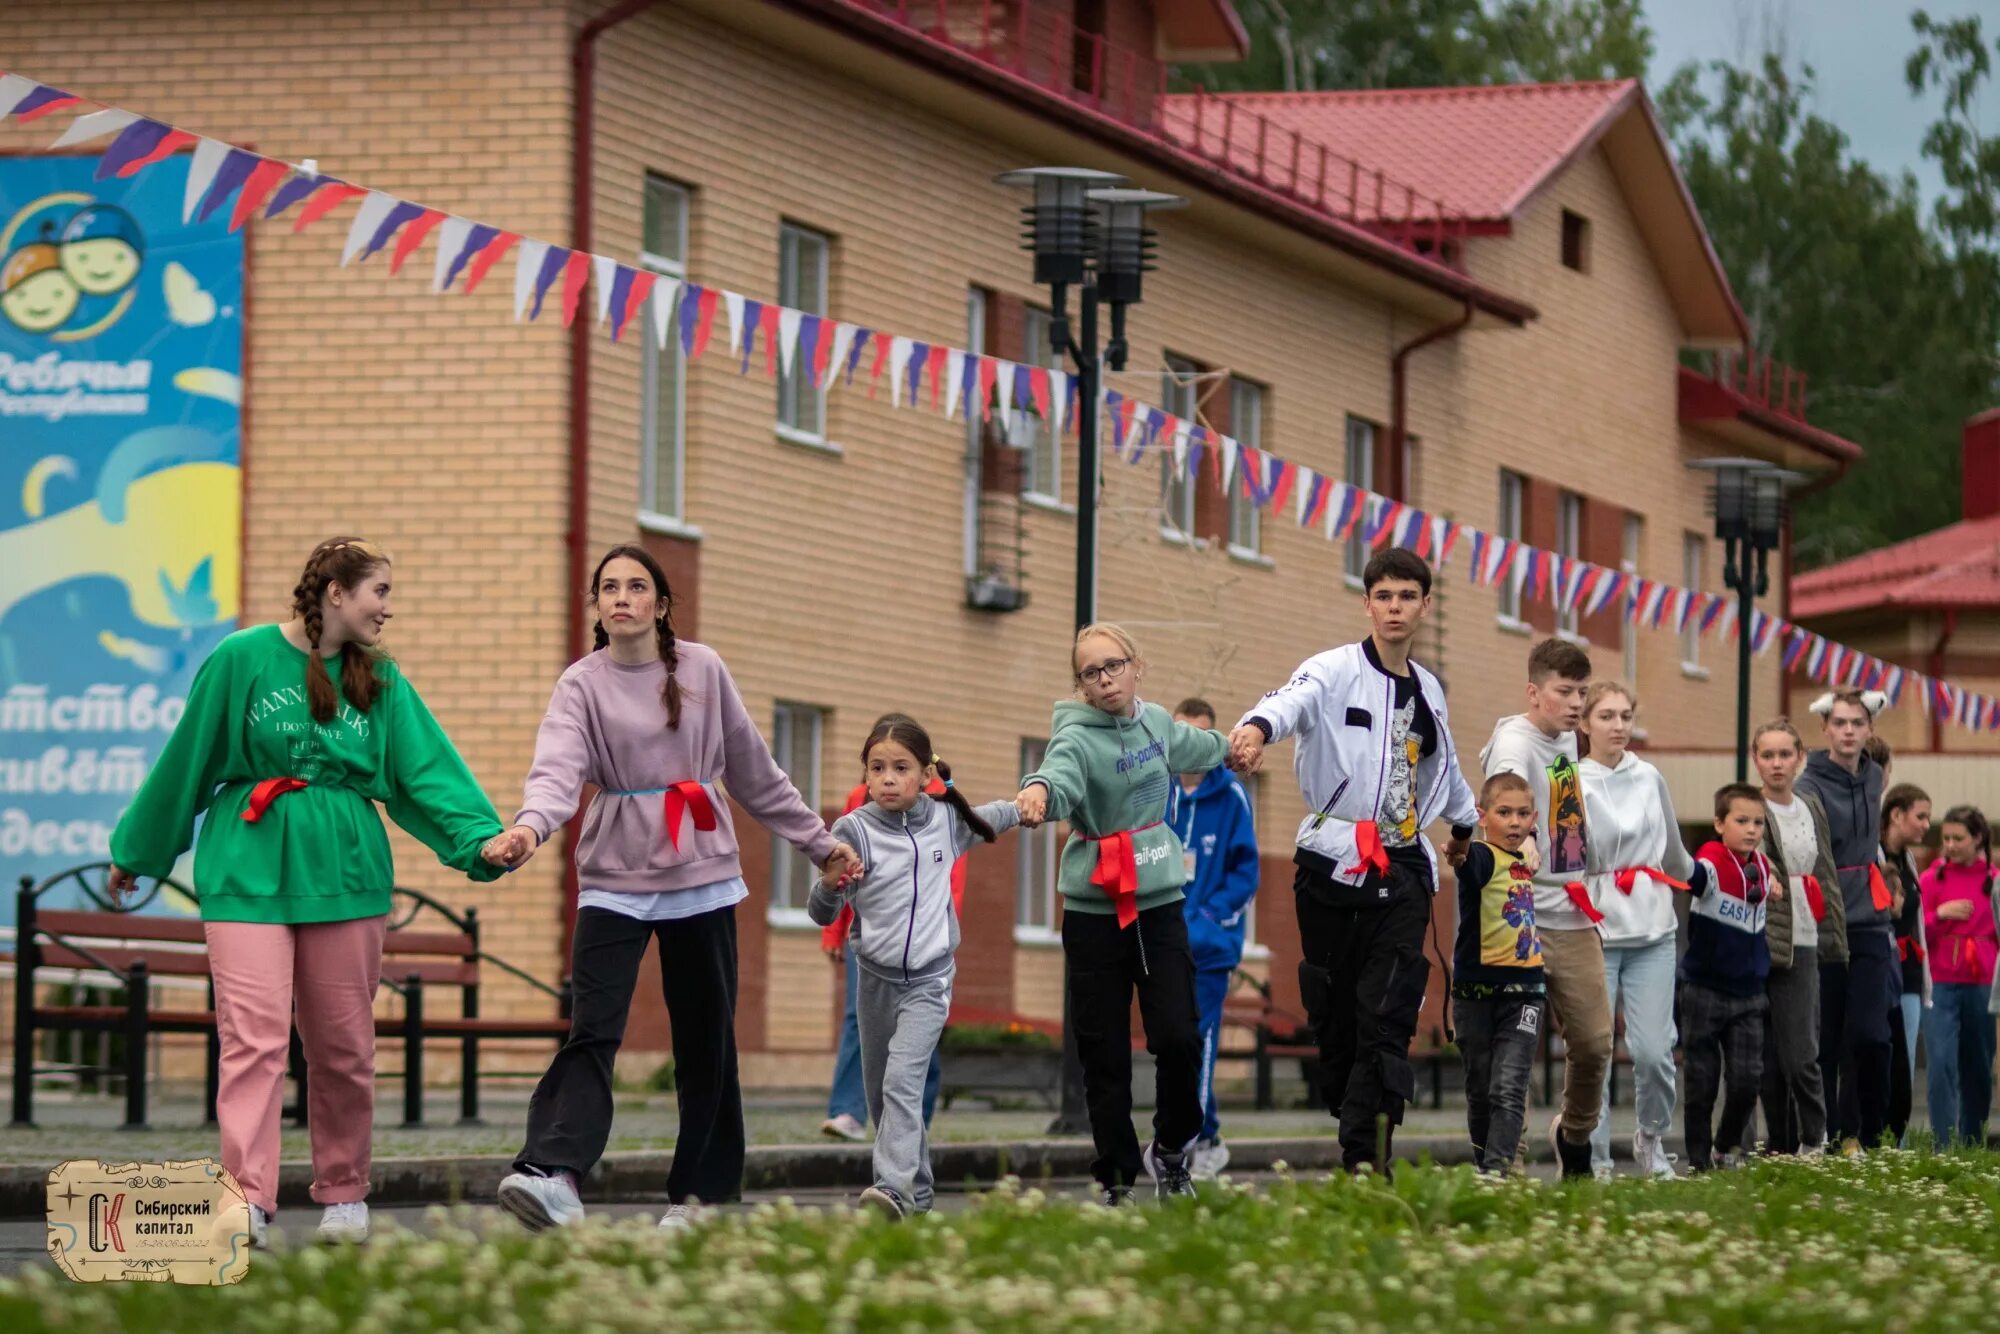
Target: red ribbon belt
[[1579, 898], [1368, 842], [1909, 948], [1815, 896], [1629, 877], [692, 798], [268, 791], [1117, 872], [1878, 889]]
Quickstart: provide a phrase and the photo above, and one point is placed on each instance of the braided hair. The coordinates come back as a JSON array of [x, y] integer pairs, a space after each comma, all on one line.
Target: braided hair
[[1974, 823], [663, 621], [342, 561], [907, 733]]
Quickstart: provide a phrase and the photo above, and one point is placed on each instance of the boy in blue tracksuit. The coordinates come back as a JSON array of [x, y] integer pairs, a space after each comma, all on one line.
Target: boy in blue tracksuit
[[1210, 813]]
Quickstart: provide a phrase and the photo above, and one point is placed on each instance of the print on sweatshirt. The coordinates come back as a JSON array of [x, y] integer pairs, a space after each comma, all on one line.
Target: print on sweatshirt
[[1567, 847]]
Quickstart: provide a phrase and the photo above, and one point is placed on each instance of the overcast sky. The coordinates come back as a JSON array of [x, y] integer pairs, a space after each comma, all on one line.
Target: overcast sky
[[1857, 47]]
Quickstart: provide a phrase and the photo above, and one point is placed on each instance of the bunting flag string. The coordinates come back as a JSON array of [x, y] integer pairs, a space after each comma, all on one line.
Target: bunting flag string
[[825, 350]]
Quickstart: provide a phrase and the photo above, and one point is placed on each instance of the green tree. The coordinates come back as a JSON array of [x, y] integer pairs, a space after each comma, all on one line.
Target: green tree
[[1841, 278], [1306, 45]]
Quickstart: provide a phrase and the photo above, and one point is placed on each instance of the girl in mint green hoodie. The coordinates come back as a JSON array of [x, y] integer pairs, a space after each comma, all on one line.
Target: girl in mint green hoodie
[[1111, 761]]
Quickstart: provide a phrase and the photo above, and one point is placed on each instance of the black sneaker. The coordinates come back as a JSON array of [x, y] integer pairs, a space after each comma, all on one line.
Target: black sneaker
[[1575, 1158], [1170, 1172], [1114, 1197]]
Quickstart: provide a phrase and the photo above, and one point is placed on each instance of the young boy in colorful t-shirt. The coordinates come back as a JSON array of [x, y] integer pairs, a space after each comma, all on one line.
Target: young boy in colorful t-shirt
[[1497, 990]]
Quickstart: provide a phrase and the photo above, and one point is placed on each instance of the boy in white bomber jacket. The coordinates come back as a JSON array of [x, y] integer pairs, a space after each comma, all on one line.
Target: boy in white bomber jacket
[[1377, 766]]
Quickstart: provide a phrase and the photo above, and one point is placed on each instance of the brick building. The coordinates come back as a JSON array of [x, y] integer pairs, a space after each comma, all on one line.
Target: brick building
[[1474, 300]]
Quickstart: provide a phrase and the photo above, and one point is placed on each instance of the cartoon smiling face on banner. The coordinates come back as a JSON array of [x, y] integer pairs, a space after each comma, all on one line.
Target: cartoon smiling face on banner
[[36, 294], [102, 249]]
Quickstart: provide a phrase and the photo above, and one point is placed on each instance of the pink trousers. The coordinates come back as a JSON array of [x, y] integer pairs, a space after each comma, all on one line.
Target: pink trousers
[[328, 970]]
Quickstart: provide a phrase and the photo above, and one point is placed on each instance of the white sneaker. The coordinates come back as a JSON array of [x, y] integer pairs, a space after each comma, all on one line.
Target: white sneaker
[[682, 1216], [843, 1127], [1210, 1157], [260, 1228], [1602, 1172], [1813, 1152], [884, 1202], [1649, 1154], [344, 1222], [541, 1202]]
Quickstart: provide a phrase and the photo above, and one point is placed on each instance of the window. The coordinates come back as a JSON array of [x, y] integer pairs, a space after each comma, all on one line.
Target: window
[[1030, 432], [1694, 549], [795, 736], [1576, 241], [975, 343], [1513, 494], [1634, 530], [1035, 871], [1246, 421], [1181, 386], [1361, 473], [662, 413], [1569, 545], [802, 263]]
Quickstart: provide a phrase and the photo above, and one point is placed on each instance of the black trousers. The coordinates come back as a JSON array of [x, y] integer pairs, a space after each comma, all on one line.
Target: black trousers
[[1362, 979], [569, 1117], [1794, 1101], [1857, 1037], [1498, 1037], [1106, 965], [1722, 1037]]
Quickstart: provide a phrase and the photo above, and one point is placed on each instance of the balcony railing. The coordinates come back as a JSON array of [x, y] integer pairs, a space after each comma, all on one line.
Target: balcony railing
[[1765, 382], [1039, 41]]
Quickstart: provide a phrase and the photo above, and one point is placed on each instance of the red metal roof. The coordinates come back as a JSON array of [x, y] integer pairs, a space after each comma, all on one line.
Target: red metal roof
[[1482, 150], [1958, 566]]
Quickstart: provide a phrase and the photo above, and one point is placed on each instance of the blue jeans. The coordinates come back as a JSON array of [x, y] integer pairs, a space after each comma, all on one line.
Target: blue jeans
[[1913, 1024], [1211, 988], [1958, 1042], [1642, 976], [847, 1096]]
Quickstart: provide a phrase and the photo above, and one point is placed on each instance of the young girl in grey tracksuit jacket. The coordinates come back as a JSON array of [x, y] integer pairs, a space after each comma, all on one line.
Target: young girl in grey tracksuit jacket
[[905, 939]]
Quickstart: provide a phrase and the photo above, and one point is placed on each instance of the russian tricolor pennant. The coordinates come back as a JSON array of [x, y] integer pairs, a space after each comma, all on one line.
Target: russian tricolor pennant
[[31, 100], [1712, 612], [1312, 498], [1284, 476], [1444, 536], [263, 179], [138, 146], [1348, 511], [1382, 523]]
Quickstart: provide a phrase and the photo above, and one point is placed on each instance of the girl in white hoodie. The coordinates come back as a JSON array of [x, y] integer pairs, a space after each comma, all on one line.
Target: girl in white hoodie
[[1637, 861]]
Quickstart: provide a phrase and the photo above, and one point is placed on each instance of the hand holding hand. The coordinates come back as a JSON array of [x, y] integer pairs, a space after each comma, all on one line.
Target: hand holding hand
[[1246, 749], [1958, 910], [1456, 849], [1531, 856], [511, 848], [1033, 803], [842, 866]]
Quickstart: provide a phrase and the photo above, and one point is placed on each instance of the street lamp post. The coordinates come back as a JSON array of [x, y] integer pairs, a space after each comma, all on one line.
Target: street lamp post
[[1086, 231], [1748, 500]]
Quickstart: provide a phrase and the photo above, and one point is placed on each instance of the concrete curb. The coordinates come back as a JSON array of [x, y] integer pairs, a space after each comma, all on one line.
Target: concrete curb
[[766, 1169]]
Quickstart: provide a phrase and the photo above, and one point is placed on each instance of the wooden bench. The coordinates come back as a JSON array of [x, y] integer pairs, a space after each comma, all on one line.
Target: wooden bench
[[1278, 1035], [1035, 1070], [135, 948]]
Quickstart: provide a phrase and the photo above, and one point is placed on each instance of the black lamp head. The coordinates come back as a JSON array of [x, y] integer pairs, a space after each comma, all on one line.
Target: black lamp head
[[1124, 241], [1061, 230]]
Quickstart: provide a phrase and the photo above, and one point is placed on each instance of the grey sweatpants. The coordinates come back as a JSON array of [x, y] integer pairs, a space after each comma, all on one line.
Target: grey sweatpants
[[900, 1027]]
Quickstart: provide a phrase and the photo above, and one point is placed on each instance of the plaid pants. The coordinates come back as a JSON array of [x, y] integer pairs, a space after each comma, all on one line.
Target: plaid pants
[[1723, 1038]]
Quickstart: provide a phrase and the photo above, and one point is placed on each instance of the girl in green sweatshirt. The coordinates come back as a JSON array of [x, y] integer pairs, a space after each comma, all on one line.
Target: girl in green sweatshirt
[[293, 868], [1111, 760]]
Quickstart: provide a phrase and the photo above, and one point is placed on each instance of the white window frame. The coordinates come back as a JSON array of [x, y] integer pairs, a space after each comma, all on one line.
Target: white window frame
[[1569, 545], [791, 874], [1694, 561], [1180, 394], [802, 409], [1513, 503], [652, 516], [1038, 852], [1634, 535], [1359, 470], [1246, 423], [1027, 430]]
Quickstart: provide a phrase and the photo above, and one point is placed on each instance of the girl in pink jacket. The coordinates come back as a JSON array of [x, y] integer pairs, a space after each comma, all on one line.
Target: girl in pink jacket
[[1960, 940]]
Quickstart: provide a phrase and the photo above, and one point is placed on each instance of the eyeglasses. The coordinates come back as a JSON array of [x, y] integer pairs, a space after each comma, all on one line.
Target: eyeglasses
[[1106, 671]]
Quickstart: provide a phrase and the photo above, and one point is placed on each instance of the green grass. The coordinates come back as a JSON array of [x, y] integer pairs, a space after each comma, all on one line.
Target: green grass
[[1899, 1241]]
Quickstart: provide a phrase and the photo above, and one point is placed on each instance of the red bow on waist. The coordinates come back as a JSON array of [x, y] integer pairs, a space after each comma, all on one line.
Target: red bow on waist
[[1909, 948], [1815, 896], [1579, 898], [1368, 842], [268, 791], [690, 797], [1117, 872], [1629, 877], [1878, 890]]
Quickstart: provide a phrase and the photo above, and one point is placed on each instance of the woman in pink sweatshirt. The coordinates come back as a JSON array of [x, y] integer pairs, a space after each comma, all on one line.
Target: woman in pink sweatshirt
[[655, 723], [1959, 938]]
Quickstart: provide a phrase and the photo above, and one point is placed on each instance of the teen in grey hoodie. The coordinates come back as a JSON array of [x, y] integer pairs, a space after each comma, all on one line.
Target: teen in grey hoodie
[[905, 939]]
